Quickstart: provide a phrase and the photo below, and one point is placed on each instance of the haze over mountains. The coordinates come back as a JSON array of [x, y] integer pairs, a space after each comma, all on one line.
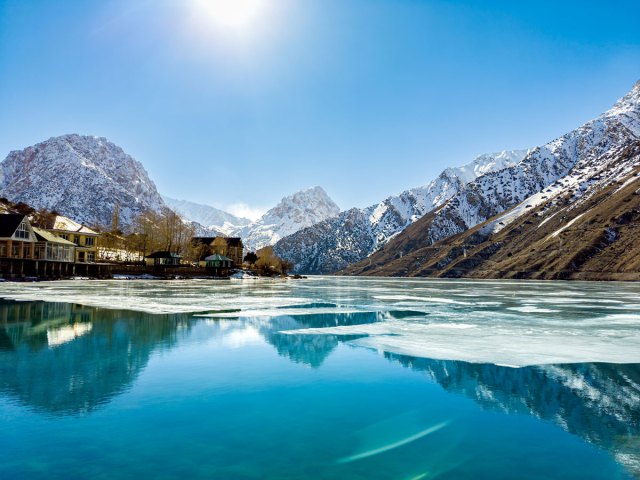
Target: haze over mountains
[[549, 212]]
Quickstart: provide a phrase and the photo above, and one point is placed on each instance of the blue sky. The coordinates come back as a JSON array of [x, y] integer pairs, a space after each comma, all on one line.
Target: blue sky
[[363, 97]]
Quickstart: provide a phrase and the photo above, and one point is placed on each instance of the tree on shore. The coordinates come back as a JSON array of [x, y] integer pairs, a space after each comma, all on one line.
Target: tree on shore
[[251, 258], [268, 263]]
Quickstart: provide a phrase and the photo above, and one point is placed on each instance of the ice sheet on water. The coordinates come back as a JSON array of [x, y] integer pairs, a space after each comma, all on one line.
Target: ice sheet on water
[[515, 347], [157, 296], [503, 322]]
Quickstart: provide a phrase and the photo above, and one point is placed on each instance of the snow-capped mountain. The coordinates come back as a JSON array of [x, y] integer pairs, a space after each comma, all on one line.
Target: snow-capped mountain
[[551, 214], [209, 217], [496, 192], [295, 212], [354, 234], [83, 177]]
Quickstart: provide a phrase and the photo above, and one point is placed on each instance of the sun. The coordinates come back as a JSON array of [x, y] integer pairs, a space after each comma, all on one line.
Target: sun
[[233, 14]]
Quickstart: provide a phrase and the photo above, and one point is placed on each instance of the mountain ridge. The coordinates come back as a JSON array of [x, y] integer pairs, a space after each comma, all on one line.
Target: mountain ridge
[[294, 212], [553, 183], [356, 233]]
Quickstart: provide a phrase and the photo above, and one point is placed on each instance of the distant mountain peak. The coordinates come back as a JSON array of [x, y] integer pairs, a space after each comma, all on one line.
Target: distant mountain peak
[[209, 217], [82, 176], [293, 213]]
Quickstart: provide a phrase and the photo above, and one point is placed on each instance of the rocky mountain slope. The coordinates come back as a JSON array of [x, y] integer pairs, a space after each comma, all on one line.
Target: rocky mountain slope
[[569, 209], [354, 234], [82, 177], [295, 212], [207, 216]]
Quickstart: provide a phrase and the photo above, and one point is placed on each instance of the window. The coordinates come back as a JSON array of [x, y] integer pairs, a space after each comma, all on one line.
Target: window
[[64, 236], [76, 239], [90, 257], [22, 231], [89, 241]]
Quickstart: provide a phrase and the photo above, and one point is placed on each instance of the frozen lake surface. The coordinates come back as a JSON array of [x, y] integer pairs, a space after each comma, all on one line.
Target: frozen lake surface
[[320, 378], [502, 322]]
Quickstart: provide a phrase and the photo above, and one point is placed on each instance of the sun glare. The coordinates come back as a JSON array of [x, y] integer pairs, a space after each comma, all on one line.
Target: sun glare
[[233, 14]]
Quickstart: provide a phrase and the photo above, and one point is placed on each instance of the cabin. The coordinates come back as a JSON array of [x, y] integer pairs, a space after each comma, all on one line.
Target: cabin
[[50, 248], [17, 238], [163, 259], [230, 247], [84, 238], [216, 261], [217, 264]]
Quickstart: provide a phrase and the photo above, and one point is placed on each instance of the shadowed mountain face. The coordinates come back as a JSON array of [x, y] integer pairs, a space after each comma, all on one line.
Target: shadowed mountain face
[[580, 234]]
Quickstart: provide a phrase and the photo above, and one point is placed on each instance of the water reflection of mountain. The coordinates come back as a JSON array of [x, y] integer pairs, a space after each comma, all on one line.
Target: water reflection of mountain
[[310, 350], [598, 402], [68, 359]]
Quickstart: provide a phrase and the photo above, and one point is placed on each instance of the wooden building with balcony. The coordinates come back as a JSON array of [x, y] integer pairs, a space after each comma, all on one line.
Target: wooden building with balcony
[[17, 238], [84, 238]]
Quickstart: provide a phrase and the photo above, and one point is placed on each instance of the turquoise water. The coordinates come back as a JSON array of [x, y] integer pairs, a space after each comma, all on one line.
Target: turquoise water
[[296, 382]]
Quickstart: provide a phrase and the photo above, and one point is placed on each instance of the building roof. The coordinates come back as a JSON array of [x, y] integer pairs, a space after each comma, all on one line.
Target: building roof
[[67, 225], [234, 241], [163, 254], [44, 236], [217, 256], [9, 223]]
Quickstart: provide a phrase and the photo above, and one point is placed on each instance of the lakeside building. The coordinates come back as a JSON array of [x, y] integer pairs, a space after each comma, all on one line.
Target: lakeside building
[[28, 251], [217, 264], [230, 247], [84, 238], [163, 259], [17, 238], [51, 248]]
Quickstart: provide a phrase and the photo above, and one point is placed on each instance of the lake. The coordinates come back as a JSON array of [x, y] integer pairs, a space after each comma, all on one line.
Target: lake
[[322, 378]]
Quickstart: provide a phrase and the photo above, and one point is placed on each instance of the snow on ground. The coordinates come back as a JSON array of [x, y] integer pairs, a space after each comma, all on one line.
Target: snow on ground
[[567, 225]]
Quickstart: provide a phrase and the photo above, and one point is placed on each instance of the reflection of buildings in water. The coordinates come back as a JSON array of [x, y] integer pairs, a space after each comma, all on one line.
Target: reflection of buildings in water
[[598, 402], [69, 359], [33, 322]]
